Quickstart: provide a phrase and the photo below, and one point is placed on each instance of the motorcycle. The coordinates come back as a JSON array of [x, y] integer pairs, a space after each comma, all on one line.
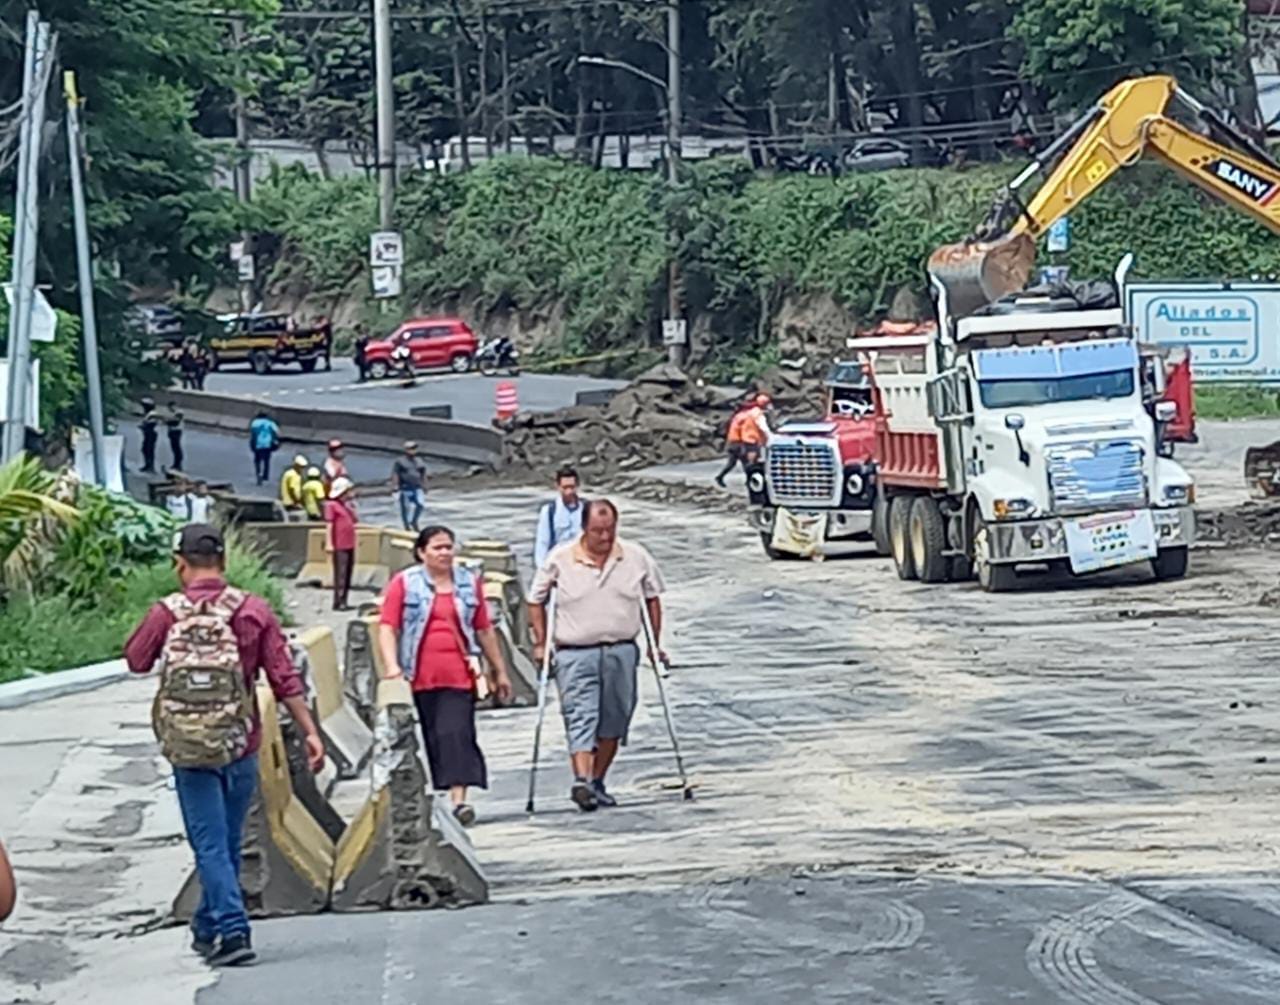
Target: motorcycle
[[498, 354], [402, 362]]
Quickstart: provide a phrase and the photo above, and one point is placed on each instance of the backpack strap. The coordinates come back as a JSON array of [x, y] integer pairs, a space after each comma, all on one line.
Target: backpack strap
[[226, 603], [551, 523]]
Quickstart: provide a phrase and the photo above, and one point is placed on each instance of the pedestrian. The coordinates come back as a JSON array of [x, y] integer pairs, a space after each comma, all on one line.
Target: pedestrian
[[734, 446], [188, 365], [340, 514], [335, 466], [203, 362], [313, 494], [560, 519], [601, 580], [755, 432], [200, 502], [264, 440], [178, 500], [324, 326], [174, 424], [434, 625], [291, 488], [360, 355], [410, 477], [211, 632], [150, 426], [8, 885]]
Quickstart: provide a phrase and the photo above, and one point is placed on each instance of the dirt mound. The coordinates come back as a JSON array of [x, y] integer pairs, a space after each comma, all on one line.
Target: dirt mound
[[1249, 525], [664, 416]]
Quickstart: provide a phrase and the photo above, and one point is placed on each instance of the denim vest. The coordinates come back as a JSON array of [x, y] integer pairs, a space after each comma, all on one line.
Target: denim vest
[[418, 598]]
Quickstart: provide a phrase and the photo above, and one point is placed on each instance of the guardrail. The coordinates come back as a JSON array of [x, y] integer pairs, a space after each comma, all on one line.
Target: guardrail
[[441, 438]]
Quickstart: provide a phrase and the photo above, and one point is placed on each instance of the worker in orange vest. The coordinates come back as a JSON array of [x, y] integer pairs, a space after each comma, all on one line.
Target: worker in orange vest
[[748, 433]]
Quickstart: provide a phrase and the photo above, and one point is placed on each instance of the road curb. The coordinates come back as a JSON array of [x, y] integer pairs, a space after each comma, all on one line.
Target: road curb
[[44, 686]]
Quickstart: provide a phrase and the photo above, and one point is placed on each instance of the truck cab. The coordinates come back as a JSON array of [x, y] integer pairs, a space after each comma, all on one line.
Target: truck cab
[[1034, 433], [815, 482]]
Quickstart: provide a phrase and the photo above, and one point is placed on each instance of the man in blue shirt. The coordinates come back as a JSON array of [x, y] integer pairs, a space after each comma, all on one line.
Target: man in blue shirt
[[560, 520], [264, 439]]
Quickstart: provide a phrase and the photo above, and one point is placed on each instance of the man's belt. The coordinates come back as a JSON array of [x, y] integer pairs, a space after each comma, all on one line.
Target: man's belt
[[598, 645]]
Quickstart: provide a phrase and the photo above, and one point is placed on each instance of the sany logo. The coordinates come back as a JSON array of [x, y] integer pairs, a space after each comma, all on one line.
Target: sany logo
[[1260, 190]]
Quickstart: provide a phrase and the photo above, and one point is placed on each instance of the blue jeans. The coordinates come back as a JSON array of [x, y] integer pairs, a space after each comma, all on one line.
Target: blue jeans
[[411, 507], [215, 802]]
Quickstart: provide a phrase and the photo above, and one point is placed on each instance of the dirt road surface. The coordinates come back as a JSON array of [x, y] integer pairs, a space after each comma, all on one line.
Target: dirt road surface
[[905, 794]]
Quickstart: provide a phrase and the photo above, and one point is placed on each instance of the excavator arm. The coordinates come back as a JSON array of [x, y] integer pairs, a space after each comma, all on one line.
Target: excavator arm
[[1128, 123]]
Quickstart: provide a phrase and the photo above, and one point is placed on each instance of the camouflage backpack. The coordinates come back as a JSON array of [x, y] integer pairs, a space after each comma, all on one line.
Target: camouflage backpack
[[203, 711]]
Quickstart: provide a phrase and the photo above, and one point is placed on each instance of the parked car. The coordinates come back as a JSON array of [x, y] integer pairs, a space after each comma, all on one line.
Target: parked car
[[268, 340], [434, 343]]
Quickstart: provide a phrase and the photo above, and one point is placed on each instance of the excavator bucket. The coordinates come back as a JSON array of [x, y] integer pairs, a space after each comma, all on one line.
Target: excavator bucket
[[1262, 470], [977, 273]]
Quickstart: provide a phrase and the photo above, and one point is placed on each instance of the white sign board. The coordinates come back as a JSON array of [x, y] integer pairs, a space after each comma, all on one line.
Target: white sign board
[[44, 319], [237, 251], [675, 332], [1230, 330], [33, 393], [386, 281], [386, 248], [1059, 238], [112, 457], [245, 268]]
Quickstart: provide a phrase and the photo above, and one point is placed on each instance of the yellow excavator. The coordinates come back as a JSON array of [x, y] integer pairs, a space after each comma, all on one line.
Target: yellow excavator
[[1130, 122]]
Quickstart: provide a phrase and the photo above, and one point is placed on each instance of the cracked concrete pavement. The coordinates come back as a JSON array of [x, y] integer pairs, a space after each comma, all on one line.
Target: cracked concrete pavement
[[904, 794]]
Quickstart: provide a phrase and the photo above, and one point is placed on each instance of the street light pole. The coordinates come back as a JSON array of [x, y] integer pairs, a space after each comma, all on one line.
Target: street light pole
[[675, 115], [88, 319], [386, 114]]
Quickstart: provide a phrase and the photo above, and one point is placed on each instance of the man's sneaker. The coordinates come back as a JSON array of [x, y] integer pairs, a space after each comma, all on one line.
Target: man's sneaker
[[234, 951], [202, 946], [584, 795], [603, 798], [465, 814]]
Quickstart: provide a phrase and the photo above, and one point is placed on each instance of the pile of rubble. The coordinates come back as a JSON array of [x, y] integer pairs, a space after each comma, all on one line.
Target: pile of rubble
[[662, 417], [1252, 524]]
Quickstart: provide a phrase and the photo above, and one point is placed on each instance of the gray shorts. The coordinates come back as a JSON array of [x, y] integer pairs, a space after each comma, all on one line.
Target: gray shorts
[[597, 693]]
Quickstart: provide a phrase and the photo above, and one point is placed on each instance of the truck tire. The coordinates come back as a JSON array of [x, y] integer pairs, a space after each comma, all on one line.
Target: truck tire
[[1171, 563], [260, 363], [880, 524], [900, 536], [308, 365], [928, 541], [992, 578]]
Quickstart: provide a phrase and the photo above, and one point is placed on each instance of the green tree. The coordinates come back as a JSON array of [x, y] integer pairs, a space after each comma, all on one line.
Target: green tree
[[1076, 49]]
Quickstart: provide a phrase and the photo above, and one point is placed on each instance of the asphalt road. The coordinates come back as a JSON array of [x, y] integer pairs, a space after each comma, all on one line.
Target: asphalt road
[[470, 395]]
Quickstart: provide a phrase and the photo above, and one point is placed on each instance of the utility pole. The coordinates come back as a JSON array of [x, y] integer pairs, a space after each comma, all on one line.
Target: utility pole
[[386, 114], [675, 115], [26, 225], [243, 178], [88, 319]]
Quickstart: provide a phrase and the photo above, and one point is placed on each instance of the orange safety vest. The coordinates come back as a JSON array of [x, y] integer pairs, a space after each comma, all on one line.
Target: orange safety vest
[[751, 434], [736, 425]]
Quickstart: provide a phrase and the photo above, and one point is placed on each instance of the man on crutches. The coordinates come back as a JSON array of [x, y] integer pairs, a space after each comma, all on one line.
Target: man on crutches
[[600, 581]]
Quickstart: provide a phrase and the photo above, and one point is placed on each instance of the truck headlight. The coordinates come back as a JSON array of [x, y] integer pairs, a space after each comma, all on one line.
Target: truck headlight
[[854, 484], [756, 482], [1180, 495], [1013, 509]]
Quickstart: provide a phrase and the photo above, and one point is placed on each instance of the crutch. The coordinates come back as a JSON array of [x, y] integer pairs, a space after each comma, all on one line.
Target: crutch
[[658, 674], [543, 675]]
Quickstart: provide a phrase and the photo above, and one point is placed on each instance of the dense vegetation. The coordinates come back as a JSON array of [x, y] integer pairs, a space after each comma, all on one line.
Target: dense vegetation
[[530, 235], [80, 566]]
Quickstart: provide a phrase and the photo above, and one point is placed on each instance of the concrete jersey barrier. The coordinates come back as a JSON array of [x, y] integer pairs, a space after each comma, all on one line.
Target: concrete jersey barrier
[[442, 438]]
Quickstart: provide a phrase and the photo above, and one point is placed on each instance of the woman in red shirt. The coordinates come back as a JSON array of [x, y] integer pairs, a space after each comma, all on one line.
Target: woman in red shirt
[[340, 513], [435, 622]]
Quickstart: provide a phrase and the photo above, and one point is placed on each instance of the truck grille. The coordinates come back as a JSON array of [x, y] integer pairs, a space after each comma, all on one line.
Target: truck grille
[[803, 473], [1086, 477]]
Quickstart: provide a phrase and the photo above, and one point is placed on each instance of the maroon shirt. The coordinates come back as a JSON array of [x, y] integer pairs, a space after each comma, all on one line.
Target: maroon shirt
[[342, 519], [258, 633]]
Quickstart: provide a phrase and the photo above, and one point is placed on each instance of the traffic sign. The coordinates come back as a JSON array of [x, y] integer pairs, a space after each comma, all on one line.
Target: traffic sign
[[1060, 235], [245, 268], [675, 332], [386, 247], [386, 281]]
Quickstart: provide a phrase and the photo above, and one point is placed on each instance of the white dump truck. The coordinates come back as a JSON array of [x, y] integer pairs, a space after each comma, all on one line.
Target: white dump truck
[[1031, 433]]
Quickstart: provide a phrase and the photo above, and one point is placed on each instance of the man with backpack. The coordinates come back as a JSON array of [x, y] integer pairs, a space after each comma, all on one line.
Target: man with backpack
[[210, 640], [559, 520]]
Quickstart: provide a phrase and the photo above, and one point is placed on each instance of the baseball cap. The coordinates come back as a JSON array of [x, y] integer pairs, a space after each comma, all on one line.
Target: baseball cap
[[198, 539], [335, 444], [410, 444]]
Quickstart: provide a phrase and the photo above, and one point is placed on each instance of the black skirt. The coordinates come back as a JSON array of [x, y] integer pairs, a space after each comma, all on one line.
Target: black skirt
[[448, 719]]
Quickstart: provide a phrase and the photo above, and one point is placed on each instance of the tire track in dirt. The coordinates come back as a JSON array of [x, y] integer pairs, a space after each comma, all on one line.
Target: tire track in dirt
[[1061, 954]]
